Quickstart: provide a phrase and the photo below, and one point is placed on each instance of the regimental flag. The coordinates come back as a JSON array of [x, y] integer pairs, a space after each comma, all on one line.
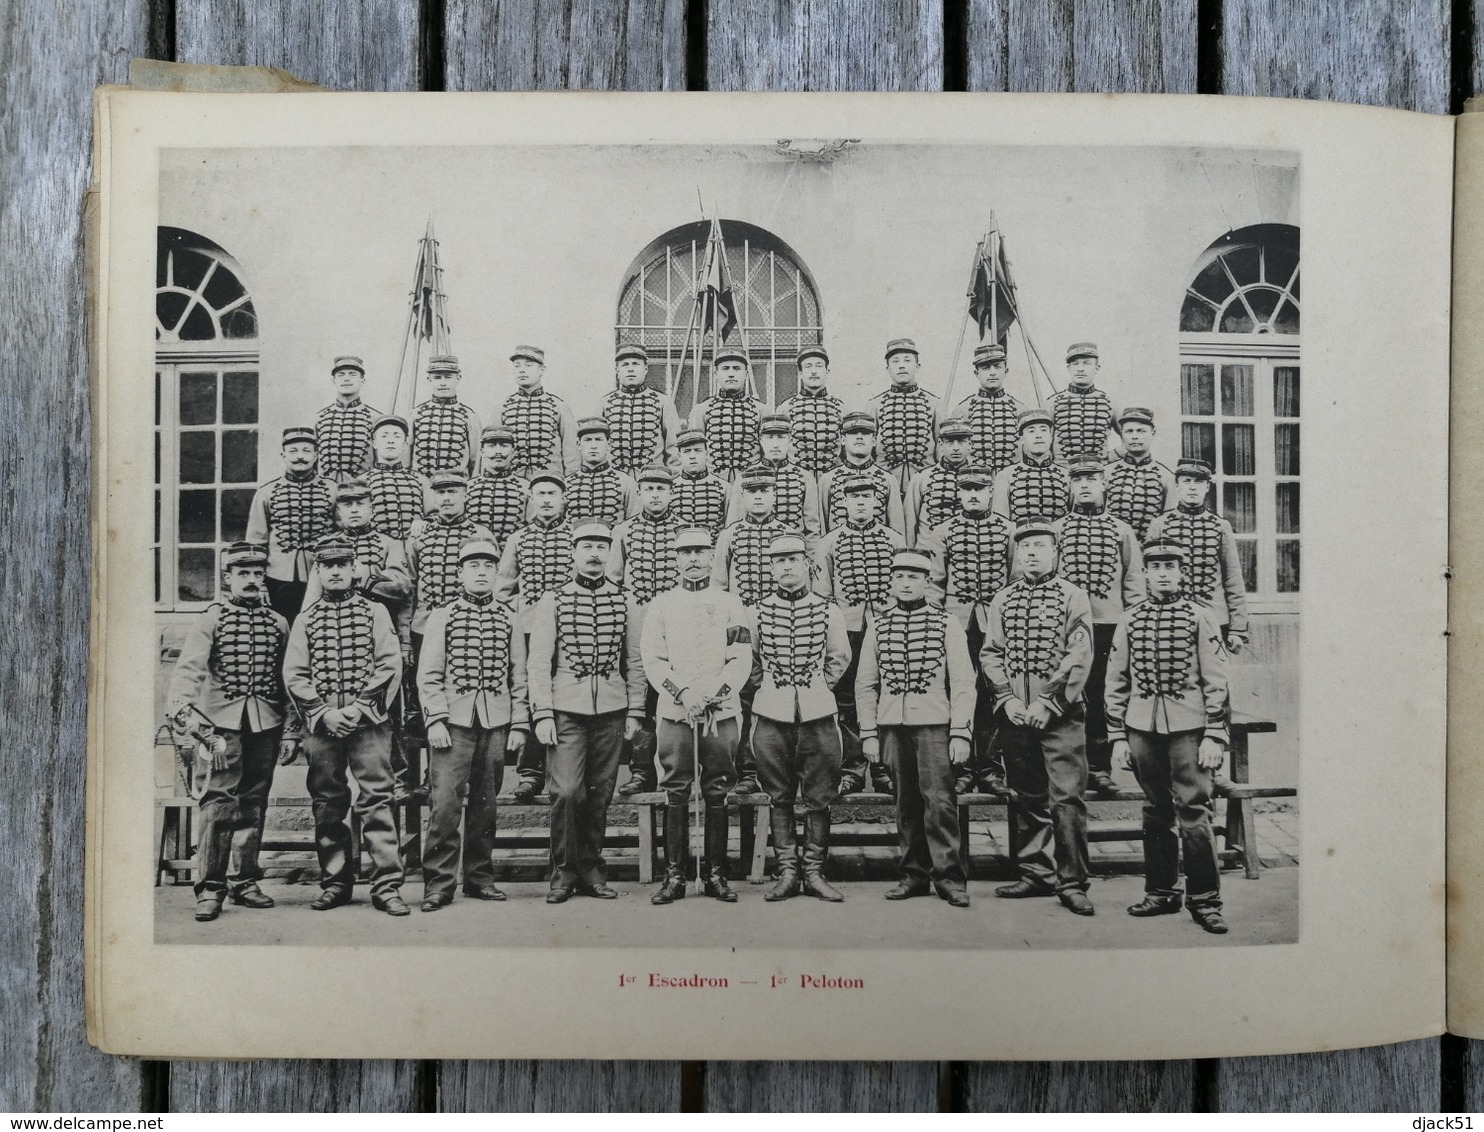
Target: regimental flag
[[992, 292], [716, 297], [428, 319]]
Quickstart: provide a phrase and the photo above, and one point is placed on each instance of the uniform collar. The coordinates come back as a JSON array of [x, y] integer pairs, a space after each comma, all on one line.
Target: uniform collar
[[1037, 583], [636, 391], [793, 595], [446, 522], [548, 524], [910, 387], [861, 528], [477, 600], [911, 605], [445, 401], [1081, 390], [975, 516], [991, 394], [536, 392], [590, 583], [353, 403], [1032, 462], [694, 476], [846, 461], [1166, 599], [822, 393], [944, 464], [729, 395], [359, 532], [299, 477], [1197, 510], [1088, 509], [695, 585], [335, 597], [756, 522], [657, 520], [390, 467], [603, 467], [245, 603], [1138, 461]]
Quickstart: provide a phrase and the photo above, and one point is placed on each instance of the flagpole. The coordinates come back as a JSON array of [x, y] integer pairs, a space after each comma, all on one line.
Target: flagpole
[[417, 272], [962, 331]]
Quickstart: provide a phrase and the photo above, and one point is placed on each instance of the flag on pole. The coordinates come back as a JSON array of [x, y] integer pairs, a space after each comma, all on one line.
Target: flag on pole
[[429, 322], [716, 296], [991, 295]]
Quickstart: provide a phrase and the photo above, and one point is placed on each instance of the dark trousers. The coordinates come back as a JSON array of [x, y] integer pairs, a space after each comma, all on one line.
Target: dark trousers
[[530, 764], [1179, 797], [1048, 772], [676, 747], [852, 758], [470, 768], [367, 754], [927, 811], [743, 756], [409, 735], [641, 748], [286, 598], [985, 760], [232, 812], [582, 772], [1099, 750], [798, 764]]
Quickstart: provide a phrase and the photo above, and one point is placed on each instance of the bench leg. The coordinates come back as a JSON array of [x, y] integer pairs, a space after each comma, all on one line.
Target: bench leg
[[646, 843], [761, 828], [1249, 840], [963, 841]]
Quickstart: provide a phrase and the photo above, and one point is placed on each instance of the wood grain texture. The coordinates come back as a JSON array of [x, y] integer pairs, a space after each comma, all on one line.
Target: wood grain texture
[[1393, 1078], [559, 1086], [1077, 1086], [339, 44], [294, 1086], [51, 57], [821, 1086], [565, 45], [824, 45], [1374, 51], [1097, 45]]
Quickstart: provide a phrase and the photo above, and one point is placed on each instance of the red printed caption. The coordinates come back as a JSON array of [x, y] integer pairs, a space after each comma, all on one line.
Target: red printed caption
[[695, 981]]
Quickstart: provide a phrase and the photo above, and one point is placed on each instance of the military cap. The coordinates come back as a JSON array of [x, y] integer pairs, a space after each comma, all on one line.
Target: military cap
[[443, 363], [901, 346], [730, 354], [592, 529], [858, 422], [352, 489], [1032, 416], [857, 482], [244, 554], [758, 479], [1197, 468], [690, 438], [497, 434], [1085, 464], [1082, 350], [656, 473], [448, 477], [334, 548], [786, 544], [912, 558], [975, 476], [592, 424], [631, 350], [776, 423], [530, 353], [478, 548], [691, 538], [955, 428], [1159, 548], [1136, 414], [1038, 526], [812, 352], [299, 434], [396, 422], [548, 477], [348, 361], [988, 354]]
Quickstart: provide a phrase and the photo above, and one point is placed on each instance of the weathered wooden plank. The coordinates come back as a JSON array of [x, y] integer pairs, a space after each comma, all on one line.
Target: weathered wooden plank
[[51, 56], [1394, 1078], [559, 1086], [821, 1086], [1467, 1073], [294, 1086], [824, 45], [1077, 1086], [1371, 51], [562, 44], [1100, 45], [339, 44]]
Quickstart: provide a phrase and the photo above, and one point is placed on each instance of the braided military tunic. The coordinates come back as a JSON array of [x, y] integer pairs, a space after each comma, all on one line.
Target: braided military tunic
[[1200, 532], [974, 562], [1083, 418], [498, 500], [535, 418], [862, 563], [833, 502], [397, 500], [932, 498], [1137, 491], [342, 650], [907, 422], [290, 514], [1039, 643], [229, 666], [442, 431], [1091, 549], [434, 552], [792, 638], [994, 419], [1167, 671], [636, 419], [477, 645], [584, 656], [536, 560], [814, 419], [1033, 626], [790, 490], [590, 627], [648, 560], [1029, 490], [599, 493], [700, 500], [741, 564], [911, 648], [472, 670], [342, 432], [731, 425]]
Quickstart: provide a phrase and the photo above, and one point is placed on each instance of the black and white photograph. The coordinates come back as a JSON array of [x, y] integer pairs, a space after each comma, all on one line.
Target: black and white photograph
[[824, 542]]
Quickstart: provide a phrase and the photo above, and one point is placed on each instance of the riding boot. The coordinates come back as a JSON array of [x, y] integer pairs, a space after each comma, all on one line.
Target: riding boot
[[677, 841], [781, 819], [714, 867], [816, 852]]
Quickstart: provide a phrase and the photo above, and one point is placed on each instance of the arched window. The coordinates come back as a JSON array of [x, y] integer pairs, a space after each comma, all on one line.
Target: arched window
[[777, 305], [1239, 397], [206, 414]]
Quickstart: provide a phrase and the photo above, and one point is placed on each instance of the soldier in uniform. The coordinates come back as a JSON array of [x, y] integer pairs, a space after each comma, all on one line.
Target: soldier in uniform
[[343, 427], [814, 414], [289, 515], [731, 417], [1139, 486], [598, 490], [800, 652], [643, 421], [906, 414], [230, 672], [380, 571], [697, 652], [399, 497], [700, 498], [1167, 710], [535, 560], [342, 669], [445, 431], [545, 433], [992, 413], [1036, 657], [1213, 569], [1099, 554], [972, 554], [643, 561], [1035, 486], [472, 681], [915, 689], [1084, 415], [932, 496], [498, 495], [587, 697], [852, 568], [795, 496], [858, 457]]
